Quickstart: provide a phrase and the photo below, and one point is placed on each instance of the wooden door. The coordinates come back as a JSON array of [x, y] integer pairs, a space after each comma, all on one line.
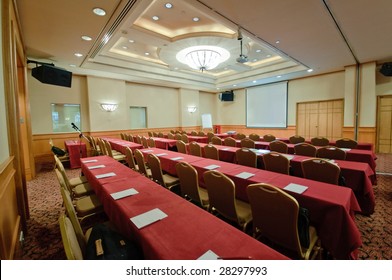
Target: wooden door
[[384, 124], [320, 118]]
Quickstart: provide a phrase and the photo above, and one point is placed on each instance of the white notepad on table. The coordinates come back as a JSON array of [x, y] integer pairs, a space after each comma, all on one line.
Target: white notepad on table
[[90, 160], [148, 218], [244, 175], [295, 188], [212, 166], [289, 157], [209, 255], [96, 166], [105, 175], [161, 154], [345, 149], [124, 193], [177, 158]]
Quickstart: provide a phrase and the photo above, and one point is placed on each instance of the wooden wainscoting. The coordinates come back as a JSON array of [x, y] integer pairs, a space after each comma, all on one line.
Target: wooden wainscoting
[[10, 220], [278, 132]]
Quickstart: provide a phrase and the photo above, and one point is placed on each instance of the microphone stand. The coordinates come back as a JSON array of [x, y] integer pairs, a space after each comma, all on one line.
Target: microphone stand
[[80, 140]]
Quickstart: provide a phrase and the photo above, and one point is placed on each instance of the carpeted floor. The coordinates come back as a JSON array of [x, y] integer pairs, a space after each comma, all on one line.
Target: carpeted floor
[[43, 240]]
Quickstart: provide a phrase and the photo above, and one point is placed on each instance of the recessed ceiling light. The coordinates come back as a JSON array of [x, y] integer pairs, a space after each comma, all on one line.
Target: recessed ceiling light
[[155, 18], [234, 85], [78, 54], [99, 12], [131, 41], [258, 50], [268, 55], [86, 38], [310, 70], [125, 47], [72, 65], [254, 82], [277, 42], [279, 76], [196, 19], [254, 60], [147, 53], [169, 5]]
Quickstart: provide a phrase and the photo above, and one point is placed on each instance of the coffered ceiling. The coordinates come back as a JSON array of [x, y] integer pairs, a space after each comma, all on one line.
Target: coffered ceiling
[[138, 40]]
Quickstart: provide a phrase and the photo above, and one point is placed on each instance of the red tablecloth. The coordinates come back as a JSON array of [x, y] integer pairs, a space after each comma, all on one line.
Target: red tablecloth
[[199, 139], [121, 145], [332, 207], [76, 150], [186, 233], [163, 143], [360, 146]]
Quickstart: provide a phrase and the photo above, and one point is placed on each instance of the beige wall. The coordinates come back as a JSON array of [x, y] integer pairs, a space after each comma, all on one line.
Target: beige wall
[[207, 105], [232, 112], [367, 100]]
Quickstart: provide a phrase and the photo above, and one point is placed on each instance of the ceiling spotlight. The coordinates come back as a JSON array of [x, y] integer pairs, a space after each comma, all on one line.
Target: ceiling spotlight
[[147, 53], [168, 5], [86, 38], [309, 70], [131, 41], [155, 18], [99, 12], [78, 54], [196, 19]]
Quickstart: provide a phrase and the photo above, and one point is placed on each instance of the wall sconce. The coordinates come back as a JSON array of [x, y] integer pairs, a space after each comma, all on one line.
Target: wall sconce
[[109, 107], [192, 109]]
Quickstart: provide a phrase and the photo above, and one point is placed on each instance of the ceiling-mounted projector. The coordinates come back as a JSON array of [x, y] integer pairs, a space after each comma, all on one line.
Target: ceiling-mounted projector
[[242, 58]]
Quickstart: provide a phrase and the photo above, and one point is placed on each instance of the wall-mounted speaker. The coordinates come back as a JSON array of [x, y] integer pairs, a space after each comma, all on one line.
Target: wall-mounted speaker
[[386, 69], [52, 75]]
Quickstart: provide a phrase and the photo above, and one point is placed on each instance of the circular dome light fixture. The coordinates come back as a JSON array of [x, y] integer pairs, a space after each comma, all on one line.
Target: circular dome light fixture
[[203, 57]]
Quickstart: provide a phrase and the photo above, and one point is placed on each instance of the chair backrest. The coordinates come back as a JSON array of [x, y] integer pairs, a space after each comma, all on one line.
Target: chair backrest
[[185, 138], [331, 152], [201, 133], [275, 215], [122, 136], [195, 149], [247, 143], [150, 134], [102, 147], [346, 143], [210, 151], [321, 170], [295, 139], [240, 136], [156, 169], [269, 138], [178, 136], [108, 148], [194, 133], [221, 194], [64, 176], [229, 141], [69, 238], [319, 141], [131, 138], [138, 139], [61, 179], [181, 146], [276, 162], [71, 213], [209, 136], [170, 135], [246, 157], [254, 137], [130, 158], [144, 142], [216, 140], [160, 135], [155, 134], [279, 146], [151, 143], [305, 149], [189, 181], [141, 163]]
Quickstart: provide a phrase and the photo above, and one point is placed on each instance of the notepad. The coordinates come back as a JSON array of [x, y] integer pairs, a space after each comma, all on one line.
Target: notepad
[[209, 255], [90, 160], [124, 193], [226, 149], [147, 151], [289, 157], [262, 151], [177, 158], [96, 166], [295, 188], [105, 175], [148, 218], [212, 166], [345, 149], [161, 154], [244, 175]]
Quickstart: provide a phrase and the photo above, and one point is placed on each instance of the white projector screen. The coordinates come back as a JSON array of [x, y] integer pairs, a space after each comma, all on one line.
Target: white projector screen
[[266, 106]]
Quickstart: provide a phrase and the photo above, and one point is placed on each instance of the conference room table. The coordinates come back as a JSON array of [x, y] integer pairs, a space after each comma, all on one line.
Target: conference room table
[[186, 233], [76, 149], [165, 143], [360, 145], [120, 145], [331, 207]]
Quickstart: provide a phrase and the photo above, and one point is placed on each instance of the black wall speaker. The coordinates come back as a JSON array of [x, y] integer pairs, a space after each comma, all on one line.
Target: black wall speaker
[[386, 69], [52, 75]]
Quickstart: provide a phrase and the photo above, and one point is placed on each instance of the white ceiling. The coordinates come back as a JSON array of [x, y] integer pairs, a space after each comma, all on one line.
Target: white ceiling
[[323, 35]]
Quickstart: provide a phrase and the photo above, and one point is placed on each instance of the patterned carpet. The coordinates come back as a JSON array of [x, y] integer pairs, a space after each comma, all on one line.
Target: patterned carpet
[[43, 241]]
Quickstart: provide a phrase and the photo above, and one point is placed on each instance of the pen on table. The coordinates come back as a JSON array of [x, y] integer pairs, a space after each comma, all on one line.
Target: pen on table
[[235, 258]]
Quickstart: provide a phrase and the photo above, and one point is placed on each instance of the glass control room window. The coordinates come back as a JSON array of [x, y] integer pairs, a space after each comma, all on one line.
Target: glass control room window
[[63, 115]]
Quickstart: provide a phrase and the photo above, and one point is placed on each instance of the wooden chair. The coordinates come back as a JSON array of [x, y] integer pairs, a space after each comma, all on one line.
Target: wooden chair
[[185, 138], [72, 248], [269, 138], [150, 134], [240, 136], [144, 142], [141, 163], [320, 170], [248, 143], [210, 151], [216, 140], [161, 135], [305, 149], [118, 156], [276, 162], [151, 143], [195, 149], [170, 135], [138, 139], [295, 139], [275, 217], [279, 146], [76, 191], [130, 159], [201, 133], [209, 136], [189, 184], [166, 180], [229, 141], [246, 157], [254, 137], [346, 143], [330, 152], [194, 133], [181, 147], [221, 194], [319, 141]]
